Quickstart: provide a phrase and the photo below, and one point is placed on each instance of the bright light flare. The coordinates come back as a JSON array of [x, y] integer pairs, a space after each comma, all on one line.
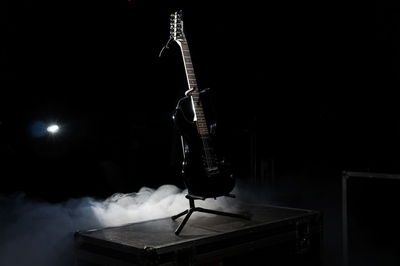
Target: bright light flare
[[53, 129]]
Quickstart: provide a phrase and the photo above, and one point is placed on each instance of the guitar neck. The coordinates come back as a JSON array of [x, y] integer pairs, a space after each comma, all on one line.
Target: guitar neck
[[195, 94], [187, 60]]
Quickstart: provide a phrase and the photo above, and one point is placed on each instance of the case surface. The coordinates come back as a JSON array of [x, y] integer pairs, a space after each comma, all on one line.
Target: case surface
[[273, 236]]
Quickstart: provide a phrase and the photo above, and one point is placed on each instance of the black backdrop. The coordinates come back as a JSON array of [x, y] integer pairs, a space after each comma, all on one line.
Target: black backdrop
[[313, 80]]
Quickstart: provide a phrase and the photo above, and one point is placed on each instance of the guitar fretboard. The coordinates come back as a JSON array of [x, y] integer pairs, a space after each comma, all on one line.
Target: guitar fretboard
[[195, 94]]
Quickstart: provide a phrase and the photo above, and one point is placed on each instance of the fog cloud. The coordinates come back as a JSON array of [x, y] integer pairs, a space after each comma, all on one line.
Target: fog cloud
[[39, 233]]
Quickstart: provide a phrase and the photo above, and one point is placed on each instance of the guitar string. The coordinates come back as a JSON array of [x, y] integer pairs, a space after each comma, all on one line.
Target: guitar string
[[187, 60], [205, 146], [204, 137]]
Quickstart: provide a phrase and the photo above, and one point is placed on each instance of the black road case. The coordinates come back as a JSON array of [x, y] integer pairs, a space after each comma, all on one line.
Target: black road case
[[273, 236]]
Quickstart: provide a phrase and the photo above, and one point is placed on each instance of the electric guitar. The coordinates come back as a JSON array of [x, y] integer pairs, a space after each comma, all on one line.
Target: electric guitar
[[205, 173]]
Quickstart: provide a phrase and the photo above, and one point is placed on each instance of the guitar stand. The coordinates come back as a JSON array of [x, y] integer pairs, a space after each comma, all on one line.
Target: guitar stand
[[193, 208]]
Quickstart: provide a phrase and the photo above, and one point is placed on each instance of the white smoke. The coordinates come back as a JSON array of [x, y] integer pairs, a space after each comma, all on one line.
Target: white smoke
[[38, 233]]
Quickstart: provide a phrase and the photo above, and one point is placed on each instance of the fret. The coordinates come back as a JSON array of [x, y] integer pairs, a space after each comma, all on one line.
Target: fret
[[191, 79]]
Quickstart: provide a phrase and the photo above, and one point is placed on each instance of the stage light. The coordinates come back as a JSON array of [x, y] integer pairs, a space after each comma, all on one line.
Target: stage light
[[53, 129]]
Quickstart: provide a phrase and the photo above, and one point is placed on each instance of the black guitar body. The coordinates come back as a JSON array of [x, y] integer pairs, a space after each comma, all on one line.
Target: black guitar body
[[199, 178]]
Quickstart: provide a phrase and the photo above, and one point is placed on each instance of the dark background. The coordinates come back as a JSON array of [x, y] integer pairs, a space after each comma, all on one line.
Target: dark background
[[301, 90]]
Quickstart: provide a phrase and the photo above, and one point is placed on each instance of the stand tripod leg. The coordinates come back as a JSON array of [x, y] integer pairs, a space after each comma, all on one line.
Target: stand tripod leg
[[179, 215], [182, 224]]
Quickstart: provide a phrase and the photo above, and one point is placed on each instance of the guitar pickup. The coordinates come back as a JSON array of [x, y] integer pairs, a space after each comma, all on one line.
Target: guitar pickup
[[212, 171]]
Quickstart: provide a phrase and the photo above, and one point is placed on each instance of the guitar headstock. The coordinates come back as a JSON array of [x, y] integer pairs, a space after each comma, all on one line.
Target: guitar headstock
[[176, 26]]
